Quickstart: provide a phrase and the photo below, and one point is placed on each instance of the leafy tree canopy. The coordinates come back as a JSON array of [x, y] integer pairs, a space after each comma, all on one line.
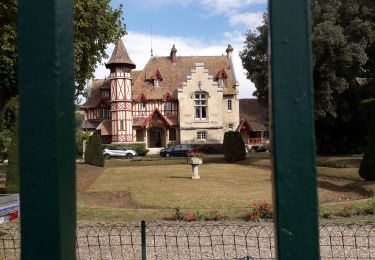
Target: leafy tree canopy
[[343, 35], [96, 25]]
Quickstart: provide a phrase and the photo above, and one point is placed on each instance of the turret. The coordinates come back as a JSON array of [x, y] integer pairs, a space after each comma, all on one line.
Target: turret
[[120, 66]]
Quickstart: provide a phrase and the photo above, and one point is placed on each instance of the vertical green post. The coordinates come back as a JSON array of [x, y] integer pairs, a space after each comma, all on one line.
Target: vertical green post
[[143, 239], [293, 139], [47, 154]]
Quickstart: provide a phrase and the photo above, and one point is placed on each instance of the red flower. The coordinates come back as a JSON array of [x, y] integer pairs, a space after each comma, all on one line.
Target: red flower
[[251, 217], [253, 204], [190, 217]]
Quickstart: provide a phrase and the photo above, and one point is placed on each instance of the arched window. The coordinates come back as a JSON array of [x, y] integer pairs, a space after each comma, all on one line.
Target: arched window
[[200, 105]]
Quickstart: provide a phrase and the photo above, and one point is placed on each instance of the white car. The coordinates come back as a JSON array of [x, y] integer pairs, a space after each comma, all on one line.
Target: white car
[[118, 151]]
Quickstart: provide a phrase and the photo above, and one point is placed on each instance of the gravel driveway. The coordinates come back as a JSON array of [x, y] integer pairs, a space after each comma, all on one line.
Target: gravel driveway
[[200, 240]]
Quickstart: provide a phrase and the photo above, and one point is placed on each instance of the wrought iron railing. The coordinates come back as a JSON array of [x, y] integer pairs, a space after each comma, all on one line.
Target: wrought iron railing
[[199, 240]]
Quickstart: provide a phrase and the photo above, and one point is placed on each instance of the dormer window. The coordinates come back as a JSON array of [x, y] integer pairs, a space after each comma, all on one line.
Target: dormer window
[[157, 79], [168, 105], [157, 83], [142, 106], [105, 93], [221, 82], [221, 78]]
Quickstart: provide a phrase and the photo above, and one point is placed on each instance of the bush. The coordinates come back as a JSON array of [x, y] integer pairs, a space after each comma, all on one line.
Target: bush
[[234, 147], [13, 176], [140, 148], [94, 154], [367, 167], [259, 211], [210, 148]]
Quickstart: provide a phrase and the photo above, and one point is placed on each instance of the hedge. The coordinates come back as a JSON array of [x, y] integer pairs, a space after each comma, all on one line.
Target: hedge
[[94, 152], [210, 148], [12, 184], [234, 147], [367, 167], [139, 148]]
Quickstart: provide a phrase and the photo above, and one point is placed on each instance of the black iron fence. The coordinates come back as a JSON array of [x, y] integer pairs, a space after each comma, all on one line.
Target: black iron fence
[[198, 240]]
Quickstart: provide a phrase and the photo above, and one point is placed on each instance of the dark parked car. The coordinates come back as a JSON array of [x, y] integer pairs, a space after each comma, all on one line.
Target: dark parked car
[[176, 150]]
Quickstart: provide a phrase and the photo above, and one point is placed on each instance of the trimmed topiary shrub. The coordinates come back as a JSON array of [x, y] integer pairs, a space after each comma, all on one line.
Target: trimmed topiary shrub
[[234, 147], [367, 167], [94, 153], [12, 184]]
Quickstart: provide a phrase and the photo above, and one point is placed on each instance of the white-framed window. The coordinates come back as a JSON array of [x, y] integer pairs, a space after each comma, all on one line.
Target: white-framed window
[[201, 135], [200, 105], [168, 105], [221, 82], [157, 83], [142, 106], [229, 105], [121, 124], [104, 112], [105, 93], [230, 127]]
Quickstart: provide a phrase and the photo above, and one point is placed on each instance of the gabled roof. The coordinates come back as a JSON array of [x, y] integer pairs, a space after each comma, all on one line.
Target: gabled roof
[[157, 115], [91, 123], [254, 114], [174, 74], [139, 121], [120, 56], [96, 98], [244, 125], [105, 127]]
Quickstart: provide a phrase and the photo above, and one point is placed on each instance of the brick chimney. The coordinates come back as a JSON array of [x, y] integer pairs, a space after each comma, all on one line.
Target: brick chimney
[[173, 54], [229, 50]]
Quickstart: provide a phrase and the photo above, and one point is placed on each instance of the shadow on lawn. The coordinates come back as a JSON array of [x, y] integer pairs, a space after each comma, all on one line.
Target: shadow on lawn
[[177, 177], [341, 188]]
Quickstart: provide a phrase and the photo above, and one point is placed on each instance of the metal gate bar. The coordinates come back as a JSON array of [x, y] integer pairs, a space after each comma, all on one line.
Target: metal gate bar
[[293, 138], [47, 155]]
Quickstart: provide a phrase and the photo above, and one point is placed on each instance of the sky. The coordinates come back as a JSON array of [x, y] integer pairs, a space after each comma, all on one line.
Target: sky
[[196, 27]]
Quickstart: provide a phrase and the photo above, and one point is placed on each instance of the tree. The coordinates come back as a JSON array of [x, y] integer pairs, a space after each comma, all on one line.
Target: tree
[[367, 167], [343, 35], [96, 25], [7, 126], [255, 59], [341, 47], [8, 51], [13, 174]]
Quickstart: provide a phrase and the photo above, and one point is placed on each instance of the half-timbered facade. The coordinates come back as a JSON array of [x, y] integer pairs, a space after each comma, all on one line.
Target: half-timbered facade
[[174, 99]]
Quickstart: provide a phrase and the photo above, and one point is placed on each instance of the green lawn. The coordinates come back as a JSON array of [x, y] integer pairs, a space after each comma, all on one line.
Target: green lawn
[[150, 189], [222, 187]]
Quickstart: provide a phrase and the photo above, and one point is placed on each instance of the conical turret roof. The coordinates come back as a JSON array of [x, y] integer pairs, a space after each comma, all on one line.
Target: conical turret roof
[[120, 56]]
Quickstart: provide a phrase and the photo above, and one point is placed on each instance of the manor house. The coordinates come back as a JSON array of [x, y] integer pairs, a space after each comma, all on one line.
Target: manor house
[[174, 99]]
